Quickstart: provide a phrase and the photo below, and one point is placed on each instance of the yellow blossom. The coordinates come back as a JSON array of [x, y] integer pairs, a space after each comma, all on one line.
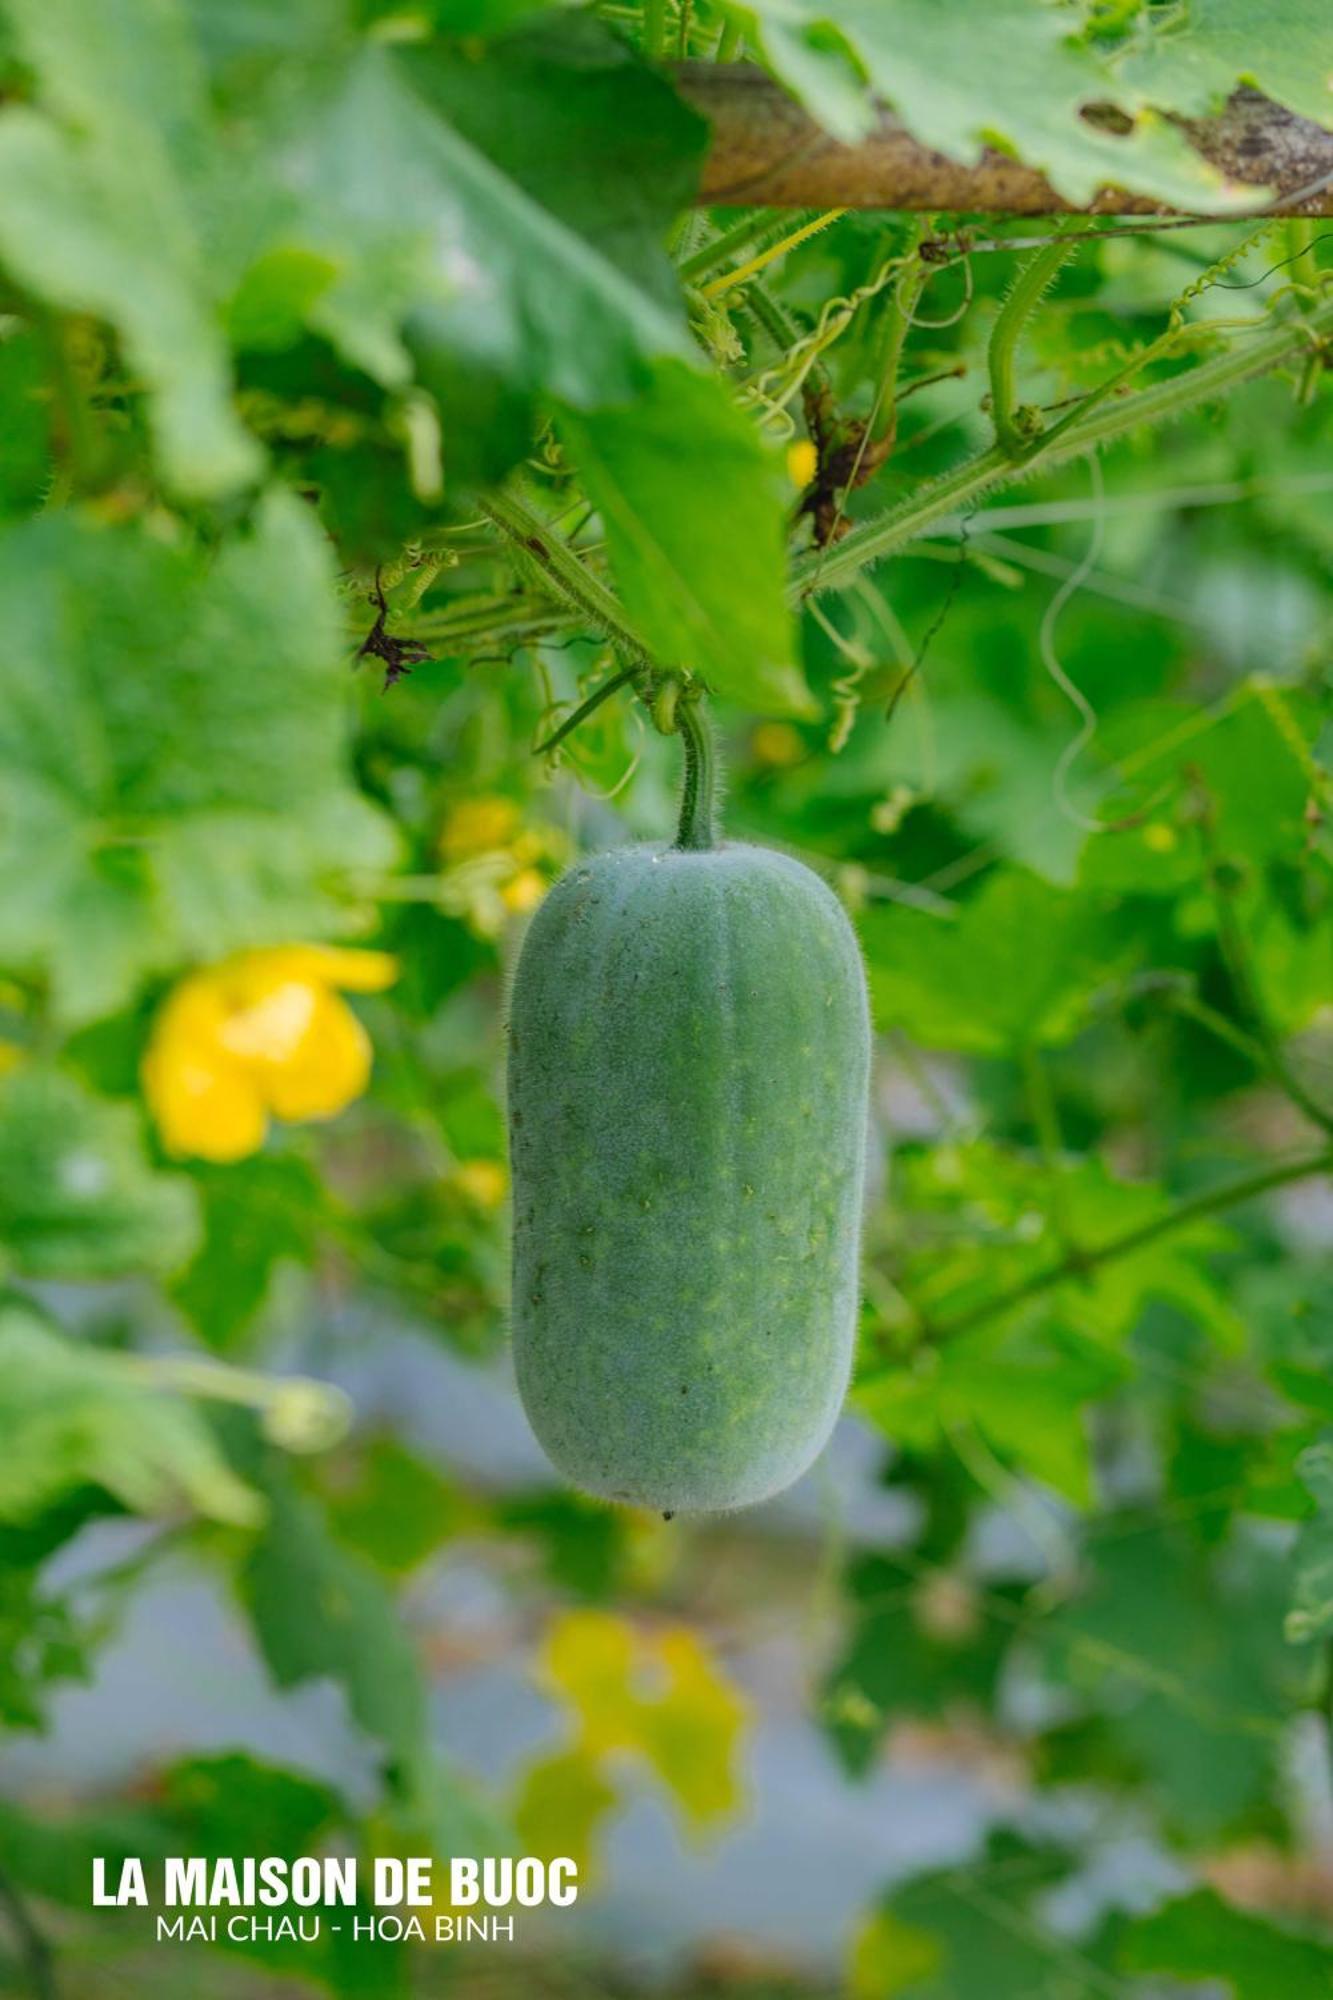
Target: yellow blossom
[[484, 1182], [523, 891], [777, 743], [263, 1033], [802, 461], [477, 826], [492, 867]]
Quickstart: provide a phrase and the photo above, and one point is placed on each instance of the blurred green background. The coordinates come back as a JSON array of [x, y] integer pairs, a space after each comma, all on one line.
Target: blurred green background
[[372, 398]]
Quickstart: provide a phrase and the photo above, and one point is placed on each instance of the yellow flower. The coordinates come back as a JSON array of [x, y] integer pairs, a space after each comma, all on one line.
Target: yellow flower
[[492, 867], [484, 1182], [262, 1033], [777, 743], [523, 891], [477, 826], [802, 462]]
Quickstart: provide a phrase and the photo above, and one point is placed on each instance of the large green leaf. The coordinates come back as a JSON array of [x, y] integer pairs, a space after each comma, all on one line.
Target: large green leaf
[[258, 1215], [71, 1416], [693, 508], [978, 1928], [992, 1219], [1200, 1938], [78, 1198], [1022, 1391], [1014, 74], [1233, 782], [1019, 967], [1192, 59], [172, 765], [1180, 1662], [96, 214], [320, 1612], [463, 193]]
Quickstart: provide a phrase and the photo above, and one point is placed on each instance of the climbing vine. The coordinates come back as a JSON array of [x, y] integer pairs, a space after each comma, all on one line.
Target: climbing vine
[[407, 476]]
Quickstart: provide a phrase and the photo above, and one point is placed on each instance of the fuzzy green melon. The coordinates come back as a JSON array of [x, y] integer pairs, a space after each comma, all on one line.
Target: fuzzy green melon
[[688, 1075]]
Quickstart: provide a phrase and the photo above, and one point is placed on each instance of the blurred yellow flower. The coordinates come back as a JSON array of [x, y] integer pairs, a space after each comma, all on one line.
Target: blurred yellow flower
[[477, 826], [263, 1033], [777, 743], [495, 868], [524, 891], [802, 461], [10, 1057], [484, 1182]]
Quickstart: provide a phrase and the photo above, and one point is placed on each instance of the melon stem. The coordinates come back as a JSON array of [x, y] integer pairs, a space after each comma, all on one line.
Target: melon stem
[[697, 831]]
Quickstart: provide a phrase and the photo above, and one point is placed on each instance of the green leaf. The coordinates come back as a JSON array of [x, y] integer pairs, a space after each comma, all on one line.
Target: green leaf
[[1311, 1614], [131, 840], [981, 1928], [1014, 76], [40, 1646], [392, 1507], [977, 983], [72, 1416], [1010, 1217], [1200, 1939], [425, 177], [258, 1215], [321, 1613], [97, 216], [1179, 1658], [922, 1643], [1234, 781], [1022, 1390], [1193, 62], [693, 511], [78, 1198]]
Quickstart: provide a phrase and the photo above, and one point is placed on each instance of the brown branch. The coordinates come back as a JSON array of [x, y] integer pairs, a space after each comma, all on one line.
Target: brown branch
[[766, 150]]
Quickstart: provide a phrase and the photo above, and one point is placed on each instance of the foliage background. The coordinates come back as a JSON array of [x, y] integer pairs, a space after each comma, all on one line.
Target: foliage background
[[330, 321]]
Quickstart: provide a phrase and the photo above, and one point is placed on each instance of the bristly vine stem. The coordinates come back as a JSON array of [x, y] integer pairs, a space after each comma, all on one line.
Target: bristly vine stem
[[697, 832], [1080, 1263], [1036, 274], [585, 709], [568, 576], [1114, 417]]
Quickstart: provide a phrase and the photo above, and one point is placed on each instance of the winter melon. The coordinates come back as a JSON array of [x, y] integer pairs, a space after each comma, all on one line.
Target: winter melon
[[688, 1074]]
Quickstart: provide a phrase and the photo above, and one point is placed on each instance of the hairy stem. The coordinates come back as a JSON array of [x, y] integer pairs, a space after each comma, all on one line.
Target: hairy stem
[[762, 258], [835, 568], [585, 709], [756, 227], [897, 319], [654, 29], [697, 832], [1032, 280], [1080, 1263], [570, 578]]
